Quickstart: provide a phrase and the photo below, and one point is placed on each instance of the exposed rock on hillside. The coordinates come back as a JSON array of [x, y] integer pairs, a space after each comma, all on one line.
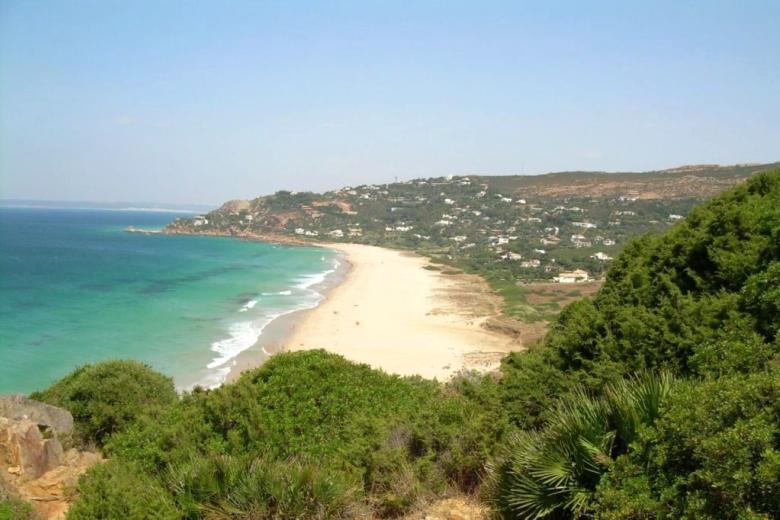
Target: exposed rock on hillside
[[34, 464], [18, 407], [458, 508]]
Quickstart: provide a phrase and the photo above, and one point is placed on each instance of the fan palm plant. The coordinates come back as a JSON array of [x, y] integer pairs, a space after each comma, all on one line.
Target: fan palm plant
[[552, 473], [226, 488]]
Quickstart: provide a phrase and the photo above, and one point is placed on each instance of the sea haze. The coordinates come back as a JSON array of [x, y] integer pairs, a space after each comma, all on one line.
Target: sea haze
[[75, 288]]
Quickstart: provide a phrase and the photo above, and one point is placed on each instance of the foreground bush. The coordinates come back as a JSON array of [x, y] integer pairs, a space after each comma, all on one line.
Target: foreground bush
[[308, 435], [117, 490], [554, 472], [699, 300], [106, 398], [15, 509], [714, 453], [227, 487]]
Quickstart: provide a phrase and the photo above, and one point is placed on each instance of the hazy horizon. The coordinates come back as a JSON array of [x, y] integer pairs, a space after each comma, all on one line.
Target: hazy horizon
[[183, 103], [196, 206]]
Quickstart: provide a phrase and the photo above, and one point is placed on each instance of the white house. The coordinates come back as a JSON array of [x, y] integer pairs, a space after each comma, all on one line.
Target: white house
[[200, 220], [530, 264], [577, 276], [336, 233], [601, 256], [586, 225]]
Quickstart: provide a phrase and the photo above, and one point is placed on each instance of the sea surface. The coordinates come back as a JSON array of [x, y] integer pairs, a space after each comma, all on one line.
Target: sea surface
[[76, 288]]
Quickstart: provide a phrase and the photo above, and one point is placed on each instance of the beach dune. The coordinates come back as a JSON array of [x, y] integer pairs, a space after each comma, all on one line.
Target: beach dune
[[394, 314]]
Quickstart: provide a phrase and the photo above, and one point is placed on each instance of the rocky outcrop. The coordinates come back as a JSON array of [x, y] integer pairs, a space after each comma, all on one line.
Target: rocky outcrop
[[34, 464], [25, 452], [17, 407]]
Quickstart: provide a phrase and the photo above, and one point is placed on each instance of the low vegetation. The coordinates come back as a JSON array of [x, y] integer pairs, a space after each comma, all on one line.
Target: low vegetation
[[657, 397], [308, 435], [107, 397], [15, 509]]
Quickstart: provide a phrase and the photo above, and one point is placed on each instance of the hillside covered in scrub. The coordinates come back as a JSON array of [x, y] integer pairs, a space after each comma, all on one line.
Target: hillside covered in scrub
[[658, 397], [515, 227]]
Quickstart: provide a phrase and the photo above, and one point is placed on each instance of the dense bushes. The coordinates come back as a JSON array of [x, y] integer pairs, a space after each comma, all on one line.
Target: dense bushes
[[108, 397], [702, 299], [702, 302], [714, 453], [308, 435], [715, 272], [15, 509], [555, 471], [118, 489]]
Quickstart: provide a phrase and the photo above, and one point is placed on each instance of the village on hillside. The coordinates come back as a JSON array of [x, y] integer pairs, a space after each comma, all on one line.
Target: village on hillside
[[502, 232]]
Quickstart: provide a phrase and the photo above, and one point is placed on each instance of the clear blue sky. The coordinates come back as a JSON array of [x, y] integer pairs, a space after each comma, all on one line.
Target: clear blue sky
[[187, 101]]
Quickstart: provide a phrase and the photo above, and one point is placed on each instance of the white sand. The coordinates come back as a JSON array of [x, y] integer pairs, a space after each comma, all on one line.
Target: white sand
[[393, 314]]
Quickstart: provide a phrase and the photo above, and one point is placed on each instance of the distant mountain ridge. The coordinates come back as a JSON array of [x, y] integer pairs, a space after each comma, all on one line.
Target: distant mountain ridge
[[679, 182]]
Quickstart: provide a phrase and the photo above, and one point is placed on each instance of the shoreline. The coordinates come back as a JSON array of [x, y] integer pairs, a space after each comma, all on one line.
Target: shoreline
[[269, 238], [275, 335], [383, 307]]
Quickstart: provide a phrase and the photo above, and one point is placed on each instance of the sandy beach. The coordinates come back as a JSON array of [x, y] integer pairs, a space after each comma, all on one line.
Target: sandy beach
[[392, 313]]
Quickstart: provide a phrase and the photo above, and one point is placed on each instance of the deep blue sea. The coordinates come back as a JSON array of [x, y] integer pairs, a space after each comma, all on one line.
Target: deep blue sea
[[76, 288]]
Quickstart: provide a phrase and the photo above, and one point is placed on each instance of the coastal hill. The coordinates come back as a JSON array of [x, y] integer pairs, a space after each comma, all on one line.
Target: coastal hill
[[544, 223], [508, 229]]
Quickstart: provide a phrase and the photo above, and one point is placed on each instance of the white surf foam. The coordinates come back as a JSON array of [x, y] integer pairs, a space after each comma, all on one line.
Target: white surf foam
[[244, 334], [249, 305], [280, 293], [308, 280]]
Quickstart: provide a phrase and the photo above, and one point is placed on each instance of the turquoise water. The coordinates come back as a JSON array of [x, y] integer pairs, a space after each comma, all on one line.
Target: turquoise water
[[75, 288]]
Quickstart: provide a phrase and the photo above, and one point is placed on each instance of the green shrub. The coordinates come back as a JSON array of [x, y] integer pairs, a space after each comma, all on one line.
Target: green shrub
[[384, 441], [664, 296], [226, 487], [107, 397], [714, 453], [554, 472], [15, 509], [118, 490]]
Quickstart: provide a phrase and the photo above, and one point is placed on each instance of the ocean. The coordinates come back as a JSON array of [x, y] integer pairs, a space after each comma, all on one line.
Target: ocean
[[75, 288]]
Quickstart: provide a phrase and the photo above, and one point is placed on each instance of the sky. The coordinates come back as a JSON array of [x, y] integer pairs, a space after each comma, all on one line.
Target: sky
[[200, 102]]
